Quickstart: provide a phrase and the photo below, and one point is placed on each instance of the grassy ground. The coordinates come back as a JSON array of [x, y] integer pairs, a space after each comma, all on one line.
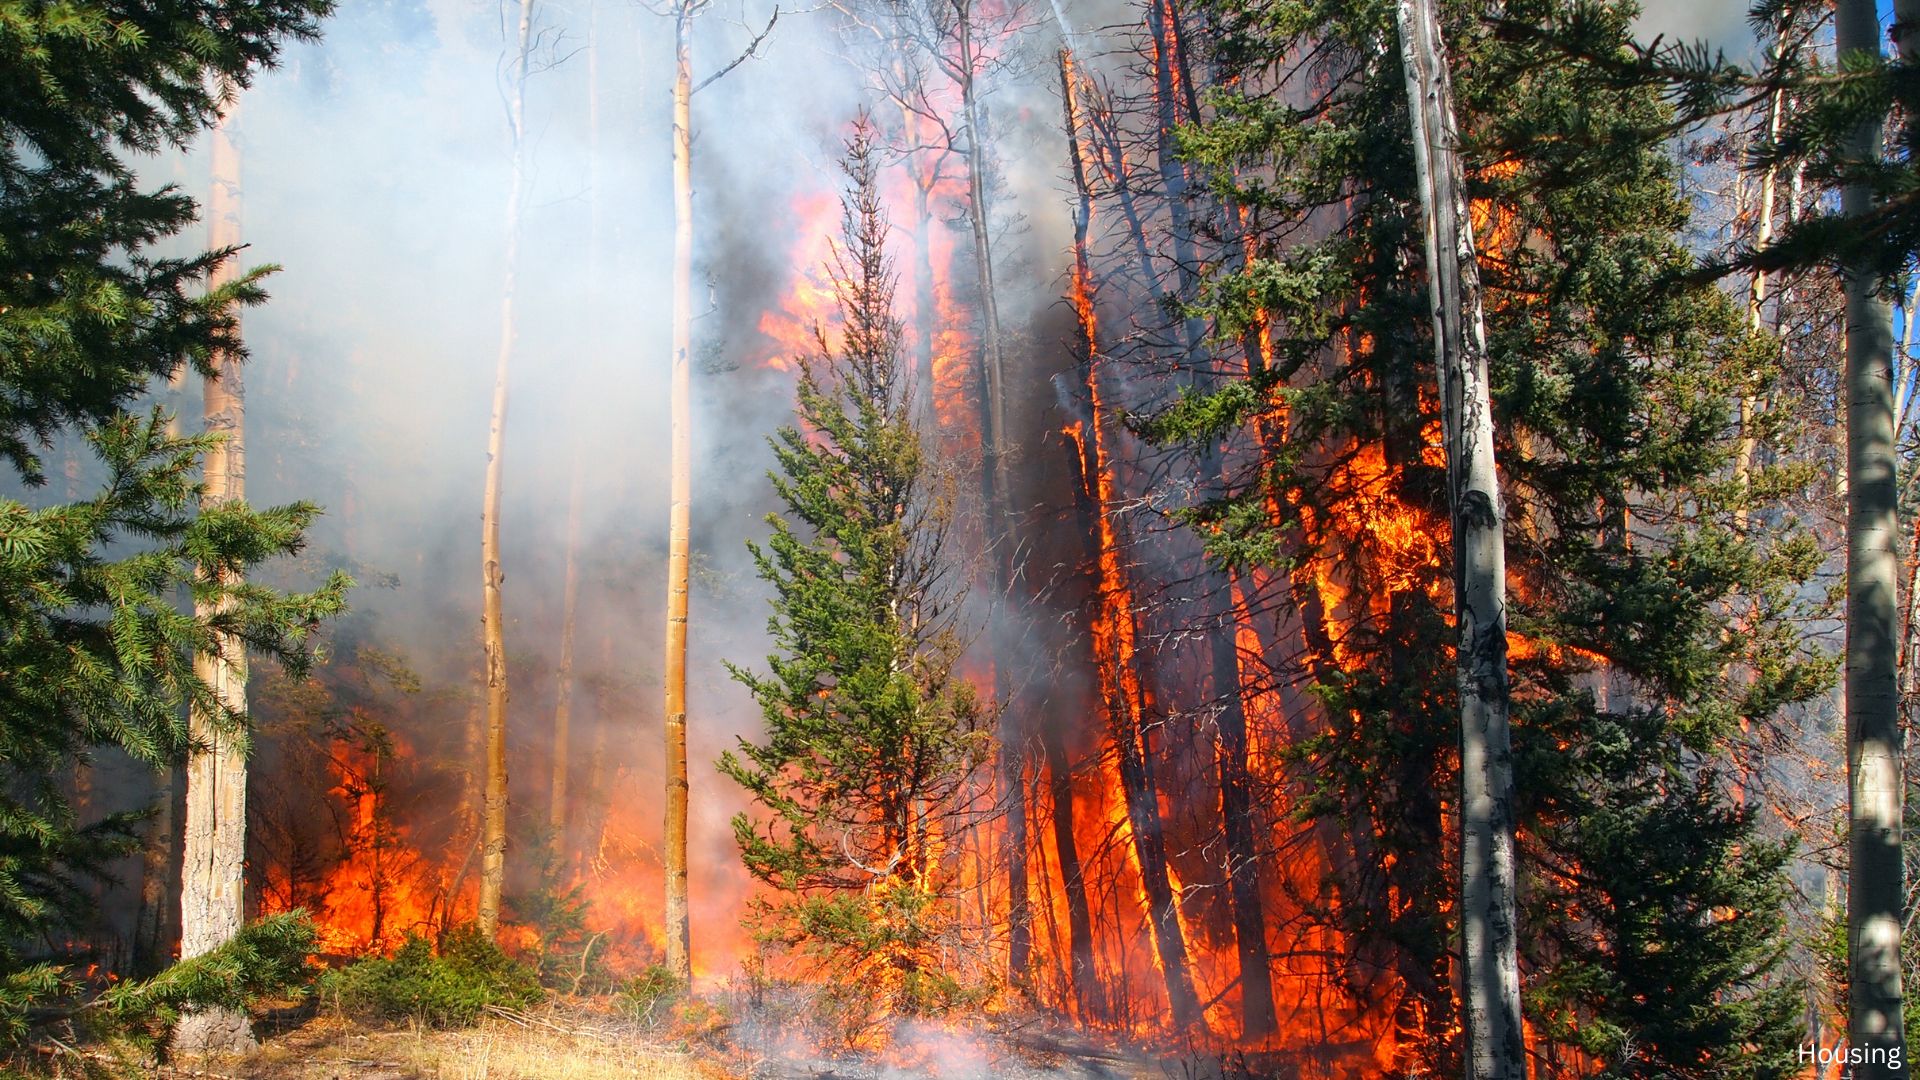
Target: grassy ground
[[551, 1046], [596, 1039], [558, 1042]]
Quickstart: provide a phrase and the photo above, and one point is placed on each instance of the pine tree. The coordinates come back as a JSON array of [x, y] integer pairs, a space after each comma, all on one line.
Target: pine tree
[[1613, 376], [869, 731], [96, 650]]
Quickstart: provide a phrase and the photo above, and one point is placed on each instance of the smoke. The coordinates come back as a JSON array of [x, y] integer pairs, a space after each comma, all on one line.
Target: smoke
[[374, 172], [1720, 24]]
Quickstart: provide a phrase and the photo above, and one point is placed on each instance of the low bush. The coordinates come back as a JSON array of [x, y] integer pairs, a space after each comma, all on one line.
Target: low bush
[[445, 987], [643, 994], [266, 959]]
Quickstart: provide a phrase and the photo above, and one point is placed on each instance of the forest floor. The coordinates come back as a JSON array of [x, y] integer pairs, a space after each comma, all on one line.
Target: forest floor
[[586, 1040]]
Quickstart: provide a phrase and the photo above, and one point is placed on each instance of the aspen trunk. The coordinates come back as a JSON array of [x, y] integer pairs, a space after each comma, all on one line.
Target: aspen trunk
[[563, 692], [493, 824], [996, 482], [679, 944], [1875, 743], [212, 879], [1491, 987]]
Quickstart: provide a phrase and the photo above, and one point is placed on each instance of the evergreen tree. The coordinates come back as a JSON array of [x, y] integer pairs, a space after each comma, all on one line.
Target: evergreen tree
[[1648, 626], [95, 648], [869, 731]]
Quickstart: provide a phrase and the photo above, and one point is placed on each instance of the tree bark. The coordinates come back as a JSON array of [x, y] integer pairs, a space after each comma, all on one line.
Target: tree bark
[[1495, 1047], [1083, 978], [1083, 981], [563, 691], [212, 880], [1010, 759], [1875, 743], [678, 943], [493, 824], [1112, 630], [1173, 89]]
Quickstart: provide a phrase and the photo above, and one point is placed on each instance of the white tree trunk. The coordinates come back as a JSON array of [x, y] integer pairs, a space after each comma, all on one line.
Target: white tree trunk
[[680, 516], [493, 821], [1495, 1048], [212, 879], [1875, 784]]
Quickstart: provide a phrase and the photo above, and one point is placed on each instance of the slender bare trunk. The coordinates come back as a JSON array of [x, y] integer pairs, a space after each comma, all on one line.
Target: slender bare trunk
[[563, 693], [679, 943], [493, 825], [1494, 1045], [993, 406], [212, 880], [1875, 743], [1083, 978], [925, 304]]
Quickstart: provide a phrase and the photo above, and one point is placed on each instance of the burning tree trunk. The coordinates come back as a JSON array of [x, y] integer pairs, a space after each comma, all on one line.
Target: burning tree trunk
[[1491, 989], [1083, 979], [1173, 90], [563, 692], [493, 826], [1114, 630], [1875, 900], [1113, 634], [212, 881], [679, 520]]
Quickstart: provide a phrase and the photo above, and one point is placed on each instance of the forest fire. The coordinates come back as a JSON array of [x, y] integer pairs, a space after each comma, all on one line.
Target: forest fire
[[1270, 572], [381, 888], [808, 306]]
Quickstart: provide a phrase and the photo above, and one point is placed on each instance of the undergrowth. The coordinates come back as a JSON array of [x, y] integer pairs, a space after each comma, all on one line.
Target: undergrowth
[[450, 986]]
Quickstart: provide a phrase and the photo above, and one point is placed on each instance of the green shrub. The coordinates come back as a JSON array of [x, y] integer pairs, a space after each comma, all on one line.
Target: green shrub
[[267, 958], [564, 954], [449, 987], [23, 992], [644, 992]]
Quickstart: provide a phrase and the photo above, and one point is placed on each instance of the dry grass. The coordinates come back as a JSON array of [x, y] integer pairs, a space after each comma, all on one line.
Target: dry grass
[[532, 1048]]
